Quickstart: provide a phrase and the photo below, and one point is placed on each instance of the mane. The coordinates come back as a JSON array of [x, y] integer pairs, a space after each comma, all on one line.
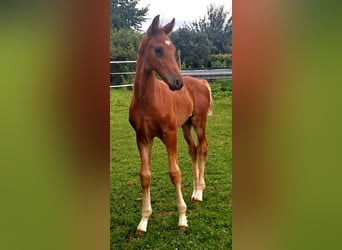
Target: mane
[[142, 44]]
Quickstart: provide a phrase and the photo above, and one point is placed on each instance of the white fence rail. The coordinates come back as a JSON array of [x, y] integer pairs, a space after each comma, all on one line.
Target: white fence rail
[[207, 74], [122, 62]]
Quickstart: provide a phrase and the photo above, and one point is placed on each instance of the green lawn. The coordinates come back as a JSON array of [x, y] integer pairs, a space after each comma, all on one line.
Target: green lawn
[[210, 223]]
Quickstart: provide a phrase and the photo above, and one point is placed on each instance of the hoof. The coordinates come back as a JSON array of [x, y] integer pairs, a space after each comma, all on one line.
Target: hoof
[[139, 233], [182, 228], [196, 201]]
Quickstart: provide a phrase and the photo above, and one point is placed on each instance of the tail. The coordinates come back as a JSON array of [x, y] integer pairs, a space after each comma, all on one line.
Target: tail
[[211, 105]]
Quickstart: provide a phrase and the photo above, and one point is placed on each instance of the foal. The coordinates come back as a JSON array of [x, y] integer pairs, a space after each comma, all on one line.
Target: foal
[[158, 108]]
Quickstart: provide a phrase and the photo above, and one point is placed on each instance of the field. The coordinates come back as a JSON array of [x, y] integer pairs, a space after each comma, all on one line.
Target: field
[[210, 223]]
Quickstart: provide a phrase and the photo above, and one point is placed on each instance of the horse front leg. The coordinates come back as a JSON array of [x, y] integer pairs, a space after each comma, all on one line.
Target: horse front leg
[[170, 141], [145, 147]]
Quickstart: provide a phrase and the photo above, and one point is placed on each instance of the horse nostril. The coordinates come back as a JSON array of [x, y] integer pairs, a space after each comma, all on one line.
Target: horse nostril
[[178, 83]]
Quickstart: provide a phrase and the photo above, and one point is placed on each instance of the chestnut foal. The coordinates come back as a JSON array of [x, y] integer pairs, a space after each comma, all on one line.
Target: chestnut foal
[[158, 108]]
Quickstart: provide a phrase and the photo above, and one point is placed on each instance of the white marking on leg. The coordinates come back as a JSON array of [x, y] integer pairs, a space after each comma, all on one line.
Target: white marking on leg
[[142, 227], [200, 183], [181, 207], [146, 206], [182, 222], [198, 195], [146, 212], [195, 180]]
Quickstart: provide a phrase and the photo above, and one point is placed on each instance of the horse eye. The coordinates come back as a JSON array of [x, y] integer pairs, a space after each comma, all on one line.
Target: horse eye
[[159, 51]]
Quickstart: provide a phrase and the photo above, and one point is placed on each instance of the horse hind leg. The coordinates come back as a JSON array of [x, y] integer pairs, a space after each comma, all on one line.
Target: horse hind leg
[[145, 181], [199, 124], [193, 154]]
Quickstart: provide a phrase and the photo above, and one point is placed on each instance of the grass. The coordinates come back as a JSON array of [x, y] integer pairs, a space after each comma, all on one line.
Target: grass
[[210, 223]]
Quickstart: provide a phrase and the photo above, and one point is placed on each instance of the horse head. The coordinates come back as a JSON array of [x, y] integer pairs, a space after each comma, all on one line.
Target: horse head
[[159, 54]]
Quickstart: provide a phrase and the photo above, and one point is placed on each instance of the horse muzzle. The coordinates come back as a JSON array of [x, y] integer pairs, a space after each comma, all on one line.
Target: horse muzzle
[[175, 83]]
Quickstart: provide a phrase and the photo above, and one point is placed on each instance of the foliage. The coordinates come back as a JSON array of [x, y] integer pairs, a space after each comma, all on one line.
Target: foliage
[[220, 61], [210, 223], [210, 35], [217, 27], [220, 89], [190, 43], [125, 14], [203, 44], [123, 47]]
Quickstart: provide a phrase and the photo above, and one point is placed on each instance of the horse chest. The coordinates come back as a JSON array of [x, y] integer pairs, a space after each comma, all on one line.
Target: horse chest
[[151, 120]]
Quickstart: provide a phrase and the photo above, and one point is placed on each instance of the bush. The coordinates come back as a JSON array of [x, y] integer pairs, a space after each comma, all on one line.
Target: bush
[[220, 61], [123, 47]]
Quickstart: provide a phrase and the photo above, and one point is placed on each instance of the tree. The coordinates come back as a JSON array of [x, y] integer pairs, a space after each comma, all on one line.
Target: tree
[[125, 23], [195, 47], [229, 30], [123, 46], [207, 42], [125, 14], [218, 27]]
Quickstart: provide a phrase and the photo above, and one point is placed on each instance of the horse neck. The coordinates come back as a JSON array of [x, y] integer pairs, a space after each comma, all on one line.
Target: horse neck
[[145, 83]]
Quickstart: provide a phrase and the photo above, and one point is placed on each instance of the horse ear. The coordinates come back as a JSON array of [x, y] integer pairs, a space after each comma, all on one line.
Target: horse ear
[[169, 27], [154, 26]]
